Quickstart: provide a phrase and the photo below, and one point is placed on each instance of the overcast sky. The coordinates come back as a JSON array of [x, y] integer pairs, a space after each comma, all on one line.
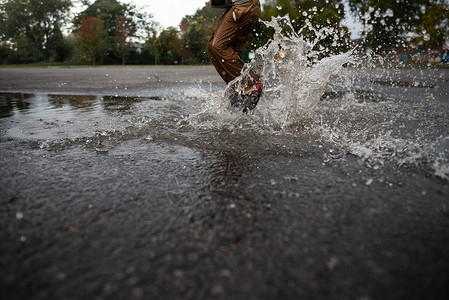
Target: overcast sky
[[168, 12]]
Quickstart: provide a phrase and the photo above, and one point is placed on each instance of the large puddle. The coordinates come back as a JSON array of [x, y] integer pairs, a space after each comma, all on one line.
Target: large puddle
[[321, 106], [378, 128]]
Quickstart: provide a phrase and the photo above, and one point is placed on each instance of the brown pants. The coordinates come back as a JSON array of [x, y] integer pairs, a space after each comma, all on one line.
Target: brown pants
[[230, 36]]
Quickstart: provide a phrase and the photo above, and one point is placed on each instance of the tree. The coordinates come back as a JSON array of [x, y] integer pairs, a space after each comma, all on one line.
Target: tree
[[387, 22], [196, 30], [34, 26], [186, 45], [195, 40], [123, 31], [319, 20], [92, 39], [149, 53], [107, 10], [4, 53], [118, 19], [434, 26], [166, 47]]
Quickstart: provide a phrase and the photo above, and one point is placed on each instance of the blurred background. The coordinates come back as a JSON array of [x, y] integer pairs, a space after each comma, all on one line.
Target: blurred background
[[176, 32]]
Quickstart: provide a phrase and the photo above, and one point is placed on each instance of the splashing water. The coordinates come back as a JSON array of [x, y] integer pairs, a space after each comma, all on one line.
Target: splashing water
[[381, 116], [293, 75]]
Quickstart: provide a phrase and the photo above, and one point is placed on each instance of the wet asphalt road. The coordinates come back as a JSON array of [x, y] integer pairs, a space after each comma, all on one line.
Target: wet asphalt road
[[166, 220]]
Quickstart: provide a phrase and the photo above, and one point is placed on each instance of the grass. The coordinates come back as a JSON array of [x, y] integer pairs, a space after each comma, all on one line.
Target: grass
[[44, 65]]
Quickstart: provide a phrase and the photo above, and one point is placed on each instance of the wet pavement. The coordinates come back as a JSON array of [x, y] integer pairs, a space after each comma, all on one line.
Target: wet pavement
[[112, 187]]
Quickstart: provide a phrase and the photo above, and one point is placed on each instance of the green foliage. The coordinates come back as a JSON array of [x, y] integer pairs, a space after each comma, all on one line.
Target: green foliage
[[434, 27], [392, 23], [187, 45], [149, 54], [195, 40], [109, 11], [167, 47], [196, 31], [31, 30], [27, 51], [4, 53], [121, 21], [33, 27], [307, 17]]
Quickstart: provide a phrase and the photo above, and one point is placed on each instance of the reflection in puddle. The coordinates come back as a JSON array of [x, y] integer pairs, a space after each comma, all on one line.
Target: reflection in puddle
[[58, 120], [13, 101], [17, 103], [119, 104], [83, 102], [376, 127]]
